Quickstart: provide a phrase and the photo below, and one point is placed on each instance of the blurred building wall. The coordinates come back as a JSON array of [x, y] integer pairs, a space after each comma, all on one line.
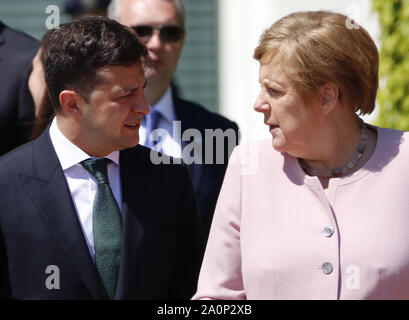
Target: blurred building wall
[[197, 73], [29, 16]]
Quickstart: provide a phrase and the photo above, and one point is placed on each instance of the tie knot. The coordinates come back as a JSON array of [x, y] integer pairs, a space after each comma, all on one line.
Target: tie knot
[[98, 168]]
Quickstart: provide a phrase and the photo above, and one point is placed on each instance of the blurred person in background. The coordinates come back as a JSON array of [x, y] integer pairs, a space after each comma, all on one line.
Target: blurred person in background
[[44, 111], [16, 104], [160, 25], [83, 8], [321, 211]]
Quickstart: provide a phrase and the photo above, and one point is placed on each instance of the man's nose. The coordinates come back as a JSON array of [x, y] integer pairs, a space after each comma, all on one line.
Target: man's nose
[[141, 105], [154, 41]]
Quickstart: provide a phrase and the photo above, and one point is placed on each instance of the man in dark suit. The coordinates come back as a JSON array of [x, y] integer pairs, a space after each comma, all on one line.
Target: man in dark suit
[[78, 218], [16, 105], [159, 24]]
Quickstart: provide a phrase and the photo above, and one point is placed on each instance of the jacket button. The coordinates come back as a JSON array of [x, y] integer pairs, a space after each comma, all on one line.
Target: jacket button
[[327, 268], [328, 231]]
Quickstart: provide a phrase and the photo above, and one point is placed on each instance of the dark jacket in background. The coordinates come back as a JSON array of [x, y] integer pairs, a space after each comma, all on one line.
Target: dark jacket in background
[[207, 178], [16, 104]]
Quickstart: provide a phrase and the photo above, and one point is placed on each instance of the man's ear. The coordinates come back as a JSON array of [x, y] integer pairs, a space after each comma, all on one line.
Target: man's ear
[[329, 94], [69, 102]]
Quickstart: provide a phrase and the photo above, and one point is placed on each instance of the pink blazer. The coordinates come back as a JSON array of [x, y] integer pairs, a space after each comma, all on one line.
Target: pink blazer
[[276, 233]]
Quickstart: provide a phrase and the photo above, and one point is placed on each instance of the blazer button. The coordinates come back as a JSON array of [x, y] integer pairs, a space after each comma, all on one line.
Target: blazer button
[[328, 231], [327, 268]]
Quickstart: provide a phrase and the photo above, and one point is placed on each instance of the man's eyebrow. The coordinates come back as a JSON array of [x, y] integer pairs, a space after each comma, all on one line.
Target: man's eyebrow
[[126, 89]]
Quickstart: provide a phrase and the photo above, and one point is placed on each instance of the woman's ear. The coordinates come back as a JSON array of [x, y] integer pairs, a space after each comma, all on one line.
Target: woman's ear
[[329, 94]]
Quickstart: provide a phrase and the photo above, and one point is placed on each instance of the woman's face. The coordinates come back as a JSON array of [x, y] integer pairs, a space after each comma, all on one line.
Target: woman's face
[[36, 83], [292, 121]]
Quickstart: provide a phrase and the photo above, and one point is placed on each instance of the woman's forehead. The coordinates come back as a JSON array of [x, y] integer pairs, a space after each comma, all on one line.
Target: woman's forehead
[[272, 71]]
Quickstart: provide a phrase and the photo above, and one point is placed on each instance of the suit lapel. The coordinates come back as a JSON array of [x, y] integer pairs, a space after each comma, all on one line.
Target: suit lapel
[[133, 234], [49, 191], [136, 190], [145, 220]]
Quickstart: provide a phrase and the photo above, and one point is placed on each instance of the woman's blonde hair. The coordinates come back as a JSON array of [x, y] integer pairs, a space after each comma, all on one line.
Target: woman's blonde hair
[[317, 47]]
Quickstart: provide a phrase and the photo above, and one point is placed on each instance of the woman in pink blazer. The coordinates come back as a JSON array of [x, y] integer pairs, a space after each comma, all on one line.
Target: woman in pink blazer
[[323, 212]]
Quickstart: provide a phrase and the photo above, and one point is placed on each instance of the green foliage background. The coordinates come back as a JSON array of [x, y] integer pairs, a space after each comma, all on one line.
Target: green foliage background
[[393, 96]]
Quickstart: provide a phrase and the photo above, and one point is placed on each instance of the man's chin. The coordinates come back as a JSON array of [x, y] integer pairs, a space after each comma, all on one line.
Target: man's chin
[[133, 145], [130, 144]]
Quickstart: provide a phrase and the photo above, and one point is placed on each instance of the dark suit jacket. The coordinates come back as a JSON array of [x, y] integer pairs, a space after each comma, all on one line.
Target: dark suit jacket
[[207, 178], [162, 247], [16, 104]]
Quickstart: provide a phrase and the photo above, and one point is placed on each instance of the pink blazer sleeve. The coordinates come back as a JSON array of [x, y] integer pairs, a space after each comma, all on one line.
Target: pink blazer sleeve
[[220, 275]]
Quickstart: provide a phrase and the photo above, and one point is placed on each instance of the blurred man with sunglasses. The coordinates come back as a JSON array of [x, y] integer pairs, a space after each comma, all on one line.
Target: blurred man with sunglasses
[[160, 25]]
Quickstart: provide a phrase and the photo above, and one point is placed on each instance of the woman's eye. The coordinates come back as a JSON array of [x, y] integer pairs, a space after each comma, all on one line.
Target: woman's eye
[[272, 91]]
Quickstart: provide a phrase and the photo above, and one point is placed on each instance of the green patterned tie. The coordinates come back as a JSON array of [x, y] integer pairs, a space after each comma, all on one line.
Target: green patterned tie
[[107, 225]]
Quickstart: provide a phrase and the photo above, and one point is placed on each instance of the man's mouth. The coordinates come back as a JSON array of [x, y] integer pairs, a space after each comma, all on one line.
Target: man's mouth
[[157, 63], [132, 125], [155, 60]]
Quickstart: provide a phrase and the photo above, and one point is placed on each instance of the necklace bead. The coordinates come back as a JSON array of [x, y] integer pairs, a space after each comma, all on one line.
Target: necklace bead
[[347, 167]]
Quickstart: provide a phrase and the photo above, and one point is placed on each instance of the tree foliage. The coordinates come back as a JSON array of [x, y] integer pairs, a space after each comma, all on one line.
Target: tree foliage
[[393, 96]]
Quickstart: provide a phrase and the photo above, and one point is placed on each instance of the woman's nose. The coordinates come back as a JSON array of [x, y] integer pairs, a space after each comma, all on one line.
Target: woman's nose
[[261, 105]]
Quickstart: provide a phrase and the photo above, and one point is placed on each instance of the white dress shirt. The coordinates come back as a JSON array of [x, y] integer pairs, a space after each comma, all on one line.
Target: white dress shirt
[[81, 183], [170, 138]]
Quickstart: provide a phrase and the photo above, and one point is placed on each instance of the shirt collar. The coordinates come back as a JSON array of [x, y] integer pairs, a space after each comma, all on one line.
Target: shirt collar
[[165, 106], [68, 153]]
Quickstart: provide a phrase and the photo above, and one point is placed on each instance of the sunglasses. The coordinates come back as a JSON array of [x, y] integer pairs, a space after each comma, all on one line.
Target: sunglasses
[[167, 33]]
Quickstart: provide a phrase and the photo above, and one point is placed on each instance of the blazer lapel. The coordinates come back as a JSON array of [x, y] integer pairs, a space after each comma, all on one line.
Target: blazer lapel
[[49, 191]]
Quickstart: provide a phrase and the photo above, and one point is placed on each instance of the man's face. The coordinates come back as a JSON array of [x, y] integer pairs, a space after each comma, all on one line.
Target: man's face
[[164, 55], [111, 116]]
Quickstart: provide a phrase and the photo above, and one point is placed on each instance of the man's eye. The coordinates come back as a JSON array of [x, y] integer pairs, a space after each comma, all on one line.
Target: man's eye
[[124, 97]]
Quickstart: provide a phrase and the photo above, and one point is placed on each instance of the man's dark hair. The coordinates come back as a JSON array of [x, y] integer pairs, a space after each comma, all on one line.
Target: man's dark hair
[[77, 49]]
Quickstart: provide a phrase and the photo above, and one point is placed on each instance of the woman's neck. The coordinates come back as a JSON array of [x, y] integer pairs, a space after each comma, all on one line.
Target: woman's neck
[[338, 142], [371, 140]]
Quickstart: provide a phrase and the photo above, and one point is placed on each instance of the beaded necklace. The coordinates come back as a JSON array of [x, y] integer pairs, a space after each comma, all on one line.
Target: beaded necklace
[[347, 167]]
